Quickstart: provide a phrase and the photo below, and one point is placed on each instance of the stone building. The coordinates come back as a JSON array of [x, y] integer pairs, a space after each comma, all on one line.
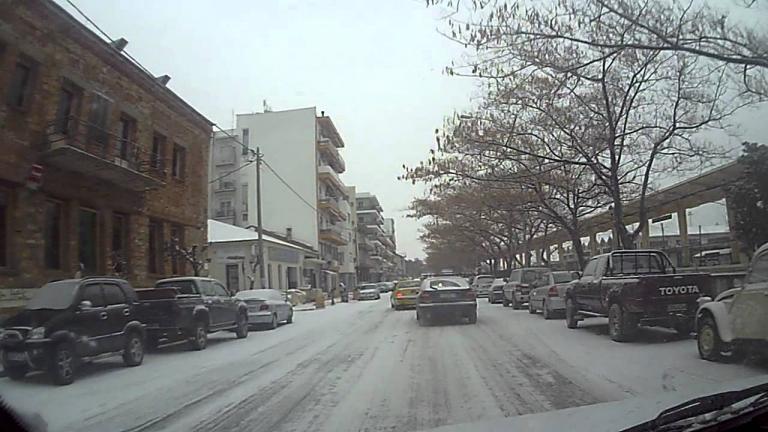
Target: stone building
[[101, 163]]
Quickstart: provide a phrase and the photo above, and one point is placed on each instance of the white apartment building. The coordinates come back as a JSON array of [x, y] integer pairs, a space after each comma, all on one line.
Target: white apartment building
[[348, 270], [303, 198], [227, 195]]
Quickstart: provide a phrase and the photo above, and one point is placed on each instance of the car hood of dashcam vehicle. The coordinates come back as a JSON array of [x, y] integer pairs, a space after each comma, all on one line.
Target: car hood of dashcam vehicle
[[602, 417]]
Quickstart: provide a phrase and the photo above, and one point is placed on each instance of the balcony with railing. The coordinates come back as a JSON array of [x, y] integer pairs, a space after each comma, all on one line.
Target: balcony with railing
[[331, 154], [73, 144], [331, 205], [328, 174], [225, 186], [332, 234]]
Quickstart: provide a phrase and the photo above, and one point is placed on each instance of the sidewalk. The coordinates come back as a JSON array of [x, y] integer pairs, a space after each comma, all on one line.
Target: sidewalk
[[311, 306]]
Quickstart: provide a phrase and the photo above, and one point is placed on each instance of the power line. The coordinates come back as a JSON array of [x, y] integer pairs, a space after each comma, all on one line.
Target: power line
[[231, 172], [287, 185]]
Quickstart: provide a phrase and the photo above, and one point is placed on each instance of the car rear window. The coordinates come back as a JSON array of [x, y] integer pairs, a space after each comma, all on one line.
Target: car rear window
[[484, 279], [562, 277], [530, 276], [636, 263], [446, 284], [409, 284], [184, 287]]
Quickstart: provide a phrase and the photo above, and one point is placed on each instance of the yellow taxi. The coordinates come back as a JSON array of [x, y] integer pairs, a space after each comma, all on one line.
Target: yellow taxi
[[405, 294]]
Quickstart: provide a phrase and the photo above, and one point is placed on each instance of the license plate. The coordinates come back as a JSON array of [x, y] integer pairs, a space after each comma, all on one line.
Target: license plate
[[16, 356], [676, 308], [448, 295]]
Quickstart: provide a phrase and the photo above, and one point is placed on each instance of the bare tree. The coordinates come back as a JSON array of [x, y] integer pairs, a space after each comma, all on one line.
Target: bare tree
[[191, 255]]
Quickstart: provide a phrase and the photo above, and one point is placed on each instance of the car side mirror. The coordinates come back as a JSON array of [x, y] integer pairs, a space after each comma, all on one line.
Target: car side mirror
[[85, 304]]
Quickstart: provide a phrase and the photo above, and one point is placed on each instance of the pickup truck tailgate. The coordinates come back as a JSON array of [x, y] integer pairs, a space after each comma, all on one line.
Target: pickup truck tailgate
[[162, 307], [672, 293]]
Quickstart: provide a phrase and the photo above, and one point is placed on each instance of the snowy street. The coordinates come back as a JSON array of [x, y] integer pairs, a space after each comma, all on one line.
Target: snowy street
[[363, 366]]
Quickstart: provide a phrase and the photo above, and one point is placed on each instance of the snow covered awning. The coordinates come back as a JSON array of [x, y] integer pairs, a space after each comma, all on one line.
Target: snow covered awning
[[220, 232]]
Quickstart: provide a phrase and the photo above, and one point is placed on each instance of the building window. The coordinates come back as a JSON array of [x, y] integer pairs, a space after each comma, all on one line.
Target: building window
[[67, 111], [88, 241], [155, 247], [52, 234], [119, 243], [156, 158], [179, 161], [225, 209], [177, 261], [20, 90], [4, 198], [97, 120], [127, 137], [233, 277], [246, 139]]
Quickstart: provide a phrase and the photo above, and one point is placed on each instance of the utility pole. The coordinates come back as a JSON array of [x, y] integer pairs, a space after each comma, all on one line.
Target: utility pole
[[259, 155]]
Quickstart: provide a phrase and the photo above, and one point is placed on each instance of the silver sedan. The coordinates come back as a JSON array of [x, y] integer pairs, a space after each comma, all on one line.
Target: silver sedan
[[549, 298], [266, 307]]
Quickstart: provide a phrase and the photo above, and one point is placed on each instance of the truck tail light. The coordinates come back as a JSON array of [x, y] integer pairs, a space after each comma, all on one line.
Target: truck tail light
[[264, 307], [552, 291]]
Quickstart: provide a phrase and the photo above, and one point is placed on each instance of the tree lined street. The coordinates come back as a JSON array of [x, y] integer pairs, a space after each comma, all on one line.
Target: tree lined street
[[363, 366]]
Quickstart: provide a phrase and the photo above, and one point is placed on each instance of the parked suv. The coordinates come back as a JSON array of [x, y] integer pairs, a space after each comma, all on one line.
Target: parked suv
[[737, 320], [520, 283], [71, 320], [190, 308]]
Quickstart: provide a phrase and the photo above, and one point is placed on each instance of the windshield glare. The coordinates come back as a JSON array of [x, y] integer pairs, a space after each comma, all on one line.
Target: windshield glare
[[382, 215], [54, 295]]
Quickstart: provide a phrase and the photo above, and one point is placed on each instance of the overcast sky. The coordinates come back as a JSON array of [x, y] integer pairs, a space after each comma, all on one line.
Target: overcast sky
[[374, 66]]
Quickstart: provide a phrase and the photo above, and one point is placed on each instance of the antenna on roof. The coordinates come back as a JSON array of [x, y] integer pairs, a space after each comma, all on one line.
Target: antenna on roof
[[266, 106], [119, 44]]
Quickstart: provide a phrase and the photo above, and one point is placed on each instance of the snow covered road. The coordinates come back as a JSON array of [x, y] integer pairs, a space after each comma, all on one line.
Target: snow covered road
[[362, 366]]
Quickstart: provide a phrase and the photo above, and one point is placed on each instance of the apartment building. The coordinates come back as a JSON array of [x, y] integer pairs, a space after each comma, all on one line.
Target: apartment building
[[376, 241], [98, 161], [228, 190], [349, 254], [303, 197]]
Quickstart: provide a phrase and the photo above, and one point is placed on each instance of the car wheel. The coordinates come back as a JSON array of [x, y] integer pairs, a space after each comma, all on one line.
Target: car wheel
[[290, 318], [17, 372], [531, 309], [473, 317], [545, 312], [708, 339], [241, 331], [198, 338], [570, 314], [684, 329], [133, 352], [272, 324], [151, 343], [621, 327], [62, 365]]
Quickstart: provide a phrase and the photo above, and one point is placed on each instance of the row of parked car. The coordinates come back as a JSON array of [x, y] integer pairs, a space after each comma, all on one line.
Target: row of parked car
[[71, 321], [634, 288]]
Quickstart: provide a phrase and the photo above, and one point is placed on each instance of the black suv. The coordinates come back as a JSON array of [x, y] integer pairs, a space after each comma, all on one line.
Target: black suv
[[71, 320]]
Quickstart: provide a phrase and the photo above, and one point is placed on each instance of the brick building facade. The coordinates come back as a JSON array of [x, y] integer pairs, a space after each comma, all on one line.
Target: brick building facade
[[124, 160]]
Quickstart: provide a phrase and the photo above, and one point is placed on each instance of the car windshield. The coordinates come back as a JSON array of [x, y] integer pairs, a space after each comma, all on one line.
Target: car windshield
[[183, 286], [55, 295], [433, 175], [562, 277]]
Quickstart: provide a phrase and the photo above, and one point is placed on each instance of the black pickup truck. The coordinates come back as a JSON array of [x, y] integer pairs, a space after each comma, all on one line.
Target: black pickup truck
[[71, 321], [635, 288], [190, 308]]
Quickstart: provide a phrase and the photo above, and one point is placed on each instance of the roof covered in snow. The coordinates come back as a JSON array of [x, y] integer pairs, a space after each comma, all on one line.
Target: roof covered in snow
[[219, 232]]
